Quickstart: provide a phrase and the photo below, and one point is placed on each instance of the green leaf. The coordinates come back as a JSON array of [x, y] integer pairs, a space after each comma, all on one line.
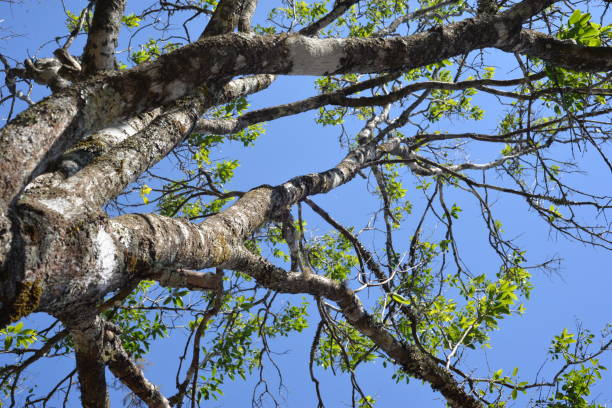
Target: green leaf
[[131, 20], [575, 17], [144, 192], [399, 299]]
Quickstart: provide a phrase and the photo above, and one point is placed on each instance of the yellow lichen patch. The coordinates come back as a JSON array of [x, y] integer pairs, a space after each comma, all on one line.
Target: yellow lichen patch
[[26, 302], [90, 144], [221, 251]]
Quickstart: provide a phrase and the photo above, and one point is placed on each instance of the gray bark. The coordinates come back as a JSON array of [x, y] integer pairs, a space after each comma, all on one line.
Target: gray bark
[[99, 53]]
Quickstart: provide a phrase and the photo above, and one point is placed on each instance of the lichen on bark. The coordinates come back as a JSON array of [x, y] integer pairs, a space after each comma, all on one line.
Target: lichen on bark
[[25, 302]]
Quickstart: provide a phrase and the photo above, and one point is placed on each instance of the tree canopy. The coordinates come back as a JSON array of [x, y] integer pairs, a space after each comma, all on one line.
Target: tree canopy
[[121, 222]]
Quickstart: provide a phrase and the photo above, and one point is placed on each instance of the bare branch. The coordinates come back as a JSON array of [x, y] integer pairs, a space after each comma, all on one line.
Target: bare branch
[[340, 7]]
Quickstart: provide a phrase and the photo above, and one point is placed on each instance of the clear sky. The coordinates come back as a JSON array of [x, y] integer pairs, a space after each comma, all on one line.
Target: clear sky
[[578, 293]]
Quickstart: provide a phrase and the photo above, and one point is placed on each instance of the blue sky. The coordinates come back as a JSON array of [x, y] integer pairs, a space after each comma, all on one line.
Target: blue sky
[[578, 292]]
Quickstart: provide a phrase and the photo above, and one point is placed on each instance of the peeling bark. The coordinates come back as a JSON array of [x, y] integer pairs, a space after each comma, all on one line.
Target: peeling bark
[[191, 280]]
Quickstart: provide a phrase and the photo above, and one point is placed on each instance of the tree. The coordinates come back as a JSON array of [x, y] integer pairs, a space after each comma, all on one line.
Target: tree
[[74, 164]]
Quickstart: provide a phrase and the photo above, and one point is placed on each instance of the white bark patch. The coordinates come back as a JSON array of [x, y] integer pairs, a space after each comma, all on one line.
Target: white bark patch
[[310, 56], [503, 33], [106, 260], [176, 89], [116, 134], [336, 180], [240, 61], [121, 233], [67, 207]]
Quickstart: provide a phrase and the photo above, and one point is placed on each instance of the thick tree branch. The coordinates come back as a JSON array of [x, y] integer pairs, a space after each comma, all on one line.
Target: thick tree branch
[[62, 120], [228, 126], [224, 19], [98, 182], [191, 280], [145, 244], [99, 53], [97, 344], [246, 14], [98, 143], [563, 53], [88, 339]]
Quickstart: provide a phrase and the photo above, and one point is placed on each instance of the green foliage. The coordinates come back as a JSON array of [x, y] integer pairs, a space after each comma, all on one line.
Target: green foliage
[[331, 116], [236, 348], [333, 254], [72, 21], [554, 213], [368, 401], [486, 303], [224, 171], [138, 327], [344, 349], [396, 192], [561, 344], [570, 101], [176, 201], [302, 13], [445, 104], [148, 52], [581, 29], [574, 384], [455, 210], [131, 20], [151, 50], [17, 336]]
